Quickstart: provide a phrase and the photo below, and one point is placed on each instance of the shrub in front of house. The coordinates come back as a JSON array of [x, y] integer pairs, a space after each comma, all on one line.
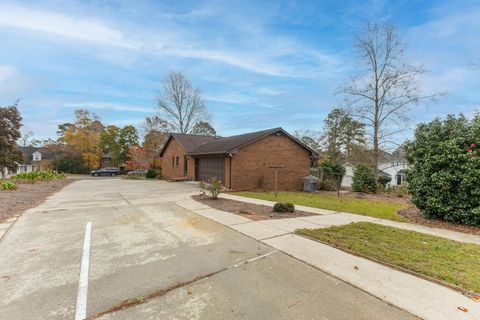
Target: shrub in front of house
[[333, 173], [151, 173], [364, 179], [383, 180], [212, 187], [444, 169], [283, 207], [7, 185]]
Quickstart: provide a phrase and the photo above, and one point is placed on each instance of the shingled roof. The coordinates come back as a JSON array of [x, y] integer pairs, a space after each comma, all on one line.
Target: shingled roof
[[205, 145], [188, 141]]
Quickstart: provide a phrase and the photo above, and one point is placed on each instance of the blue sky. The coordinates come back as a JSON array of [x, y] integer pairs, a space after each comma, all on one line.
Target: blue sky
[[259, 64]]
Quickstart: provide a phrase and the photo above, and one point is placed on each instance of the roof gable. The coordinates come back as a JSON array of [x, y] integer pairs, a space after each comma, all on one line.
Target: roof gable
[[188, 141]]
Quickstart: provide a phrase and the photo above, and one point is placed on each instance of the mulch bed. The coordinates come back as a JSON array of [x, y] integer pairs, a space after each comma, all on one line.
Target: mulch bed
[[248, 210], [383, 196], [26, 196], [414, 214]]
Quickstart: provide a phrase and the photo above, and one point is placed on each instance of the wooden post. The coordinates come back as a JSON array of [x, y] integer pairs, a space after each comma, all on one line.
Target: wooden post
[[276, 176]]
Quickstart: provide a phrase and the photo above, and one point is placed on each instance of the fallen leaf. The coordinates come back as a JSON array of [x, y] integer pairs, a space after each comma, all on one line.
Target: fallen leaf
[[476, 298], [463, 309], [189, 290], [6, 278], [355, 267]]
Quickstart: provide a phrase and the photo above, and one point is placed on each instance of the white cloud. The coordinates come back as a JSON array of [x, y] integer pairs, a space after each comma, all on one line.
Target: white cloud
[[63, 25], [7, 72], [178, 41], [13, 84], [109, 106]]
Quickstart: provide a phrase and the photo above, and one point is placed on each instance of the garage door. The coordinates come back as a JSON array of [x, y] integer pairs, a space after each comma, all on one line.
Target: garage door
[[210, 167]]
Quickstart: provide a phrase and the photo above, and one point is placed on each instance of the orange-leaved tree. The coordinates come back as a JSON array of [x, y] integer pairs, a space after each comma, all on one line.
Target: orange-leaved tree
[[83, 137]]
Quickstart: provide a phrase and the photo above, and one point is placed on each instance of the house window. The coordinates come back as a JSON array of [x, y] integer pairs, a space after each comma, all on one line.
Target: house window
[[173, 162], [178, 162]]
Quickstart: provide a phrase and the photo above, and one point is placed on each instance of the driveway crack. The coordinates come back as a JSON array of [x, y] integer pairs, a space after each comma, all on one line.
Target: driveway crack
[[158, 293]]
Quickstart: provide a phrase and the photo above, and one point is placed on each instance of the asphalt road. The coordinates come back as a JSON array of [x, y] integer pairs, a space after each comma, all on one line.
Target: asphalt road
[[151, 259]]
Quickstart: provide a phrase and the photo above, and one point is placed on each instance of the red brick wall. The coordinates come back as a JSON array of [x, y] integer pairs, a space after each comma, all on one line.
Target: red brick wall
[[250, 166], [174, 149]]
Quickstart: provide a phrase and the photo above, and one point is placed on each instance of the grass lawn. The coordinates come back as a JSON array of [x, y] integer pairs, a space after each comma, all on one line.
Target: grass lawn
[[366, 207], [453, 262]]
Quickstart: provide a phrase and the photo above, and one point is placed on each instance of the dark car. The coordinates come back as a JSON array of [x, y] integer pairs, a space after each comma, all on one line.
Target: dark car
[[105, 172]]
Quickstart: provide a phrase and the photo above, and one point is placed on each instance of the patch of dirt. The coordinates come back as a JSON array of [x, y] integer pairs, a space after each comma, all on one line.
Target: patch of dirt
[[384, 197], [27, 196], [248, 210], [414, 214]]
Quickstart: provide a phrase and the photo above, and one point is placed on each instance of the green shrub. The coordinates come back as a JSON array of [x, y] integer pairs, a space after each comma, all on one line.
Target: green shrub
[[333, 173], [151, 173], [37, 176], [364, 179], [283, 207], [444, 173], [70, 164], [383, 180], [213, 187], [7, 185]]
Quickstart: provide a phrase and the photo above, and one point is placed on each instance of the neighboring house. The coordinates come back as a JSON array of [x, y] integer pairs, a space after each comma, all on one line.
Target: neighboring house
[[241, 162], [348, 177], [105, 160], [35, 159], [32, 159], [393, 165]]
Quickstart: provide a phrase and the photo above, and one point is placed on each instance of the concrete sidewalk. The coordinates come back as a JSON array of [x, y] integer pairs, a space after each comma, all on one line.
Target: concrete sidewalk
[[327, 218], [420, 297]]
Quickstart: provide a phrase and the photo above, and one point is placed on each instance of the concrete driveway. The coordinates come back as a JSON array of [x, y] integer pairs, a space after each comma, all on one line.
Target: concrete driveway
[[166, 261]]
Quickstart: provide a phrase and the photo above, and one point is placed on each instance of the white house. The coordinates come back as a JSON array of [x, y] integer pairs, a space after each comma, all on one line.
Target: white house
[[393, 165], [32, 158], [348, 177]]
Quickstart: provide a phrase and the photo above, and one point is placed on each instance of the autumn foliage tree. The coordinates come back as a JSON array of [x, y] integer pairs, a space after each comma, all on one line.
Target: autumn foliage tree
[[137, 158], [83, 136]]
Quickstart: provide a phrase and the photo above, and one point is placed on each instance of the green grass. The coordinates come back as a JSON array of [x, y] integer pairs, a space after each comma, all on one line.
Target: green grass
[[366, 207], [447, 260]]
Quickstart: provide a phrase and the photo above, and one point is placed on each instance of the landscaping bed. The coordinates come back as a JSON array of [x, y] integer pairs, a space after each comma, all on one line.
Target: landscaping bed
[[433, 257], [27, 195], [414, 214], [367, 207], [248, 210]]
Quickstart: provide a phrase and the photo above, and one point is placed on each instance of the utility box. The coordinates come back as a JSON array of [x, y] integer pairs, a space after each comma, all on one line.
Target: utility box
[[310, 183]]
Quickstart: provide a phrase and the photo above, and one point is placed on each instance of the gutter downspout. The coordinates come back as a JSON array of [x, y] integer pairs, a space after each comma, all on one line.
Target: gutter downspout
[[230, 172]]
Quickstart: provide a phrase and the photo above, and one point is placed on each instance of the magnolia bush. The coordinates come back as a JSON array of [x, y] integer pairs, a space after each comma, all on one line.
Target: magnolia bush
[[444, 175]]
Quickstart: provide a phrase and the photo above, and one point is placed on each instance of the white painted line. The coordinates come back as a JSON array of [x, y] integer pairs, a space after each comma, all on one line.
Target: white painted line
[[81, 308]]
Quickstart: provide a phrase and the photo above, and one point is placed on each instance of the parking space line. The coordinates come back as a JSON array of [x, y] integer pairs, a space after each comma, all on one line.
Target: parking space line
[[81, 307]]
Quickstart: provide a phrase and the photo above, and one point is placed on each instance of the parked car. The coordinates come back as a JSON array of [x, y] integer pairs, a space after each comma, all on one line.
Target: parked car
[[105, 172], [137, 172]]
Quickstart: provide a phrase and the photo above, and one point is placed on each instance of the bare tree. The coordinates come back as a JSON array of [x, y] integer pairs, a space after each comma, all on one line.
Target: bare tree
[[180, 104], [381, 95], [25, 138]]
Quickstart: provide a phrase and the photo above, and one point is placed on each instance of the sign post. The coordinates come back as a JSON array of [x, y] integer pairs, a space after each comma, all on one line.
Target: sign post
[[276, 176]]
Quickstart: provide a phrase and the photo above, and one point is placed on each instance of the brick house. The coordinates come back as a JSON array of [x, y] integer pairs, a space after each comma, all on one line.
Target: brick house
[[242, 162]]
